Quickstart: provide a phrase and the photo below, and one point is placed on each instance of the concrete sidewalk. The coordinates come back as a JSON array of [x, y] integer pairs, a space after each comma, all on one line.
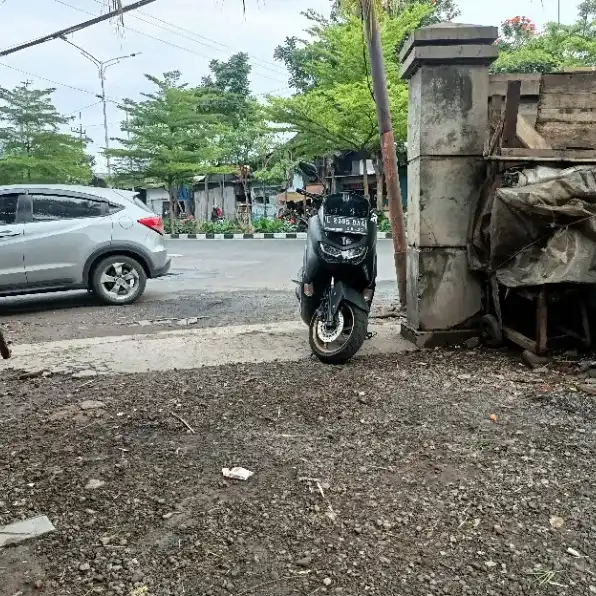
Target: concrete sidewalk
[[186, 349]]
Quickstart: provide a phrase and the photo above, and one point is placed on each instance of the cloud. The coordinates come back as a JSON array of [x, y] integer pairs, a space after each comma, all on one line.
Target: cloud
[[182, 35]]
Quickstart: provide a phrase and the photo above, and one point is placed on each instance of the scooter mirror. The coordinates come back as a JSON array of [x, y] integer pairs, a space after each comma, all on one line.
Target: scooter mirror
[[309, 169]]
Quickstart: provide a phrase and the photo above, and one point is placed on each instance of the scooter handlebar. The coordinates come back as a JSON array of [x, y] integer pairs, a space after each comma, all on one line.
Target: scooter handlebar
[[312, 195]]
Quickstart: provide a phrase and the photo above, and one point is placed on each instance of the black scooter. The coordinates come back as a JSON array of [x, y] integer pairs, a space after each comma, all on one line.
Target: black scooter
[[337, 281]]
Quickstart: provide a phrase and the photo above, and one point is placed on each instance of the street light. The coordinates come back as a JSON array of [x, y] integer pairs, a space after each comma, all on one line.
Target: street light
[[102, 66]]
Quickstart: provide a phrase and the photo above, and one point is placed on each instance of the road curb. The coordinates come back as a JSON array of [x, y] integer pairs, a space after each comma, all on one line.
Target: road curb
[[258, 236]]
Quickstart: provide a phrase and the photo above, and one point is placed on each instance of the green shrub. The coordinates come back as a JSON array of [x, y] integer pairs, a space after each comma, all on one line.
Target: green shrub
[[220, 227], [181, 226], [273, 226], [383, 223]]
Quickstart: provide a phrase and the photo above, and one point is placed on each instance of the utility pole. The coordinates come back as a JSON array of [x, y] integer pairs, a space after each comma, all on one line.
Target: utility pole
[[74, 28], [102, 66], [379, 77], [130, 158], [79, 130], [559, 11]]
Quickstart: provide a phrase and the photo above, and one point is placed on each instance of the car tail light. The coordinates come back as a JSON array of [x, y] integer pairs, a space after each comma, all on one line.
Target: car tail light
[[154, 222]]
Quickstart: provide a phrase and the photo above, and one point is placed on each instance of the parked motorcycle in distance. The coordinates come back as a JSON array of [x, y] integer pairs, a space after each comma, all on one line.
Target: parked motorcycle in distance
[[217, 215], [337, 280]]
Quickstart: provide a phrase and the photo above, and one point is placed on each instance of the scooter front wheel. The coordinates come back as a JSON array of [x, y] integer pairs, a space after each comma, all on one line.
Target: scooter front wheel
[[338, 343]]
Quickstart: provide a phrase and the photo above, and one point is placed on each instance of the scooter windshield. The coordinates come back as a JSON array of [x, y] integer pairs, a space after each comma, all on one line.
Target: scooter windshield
[[346, 205]]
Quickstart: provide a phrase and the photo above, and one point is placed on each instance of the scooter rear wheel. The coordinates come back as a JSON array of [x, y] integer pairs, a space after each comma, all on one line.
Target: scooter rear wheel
[[339, 344]]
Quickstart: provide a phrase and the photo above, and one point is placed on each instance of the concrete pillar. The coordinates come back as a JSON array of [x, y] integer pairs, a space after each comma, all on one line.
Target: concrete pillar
[[447, 68]]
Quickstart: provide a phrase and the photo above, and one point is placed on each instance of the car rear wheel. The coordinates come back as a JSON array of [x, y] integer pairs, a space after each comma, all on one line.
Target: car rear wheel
[[118, 280]]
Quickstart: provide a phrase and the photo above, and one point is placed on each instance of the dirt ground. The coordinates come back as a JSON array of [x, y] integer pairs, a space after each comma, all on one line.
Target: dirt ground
[[433, 473]]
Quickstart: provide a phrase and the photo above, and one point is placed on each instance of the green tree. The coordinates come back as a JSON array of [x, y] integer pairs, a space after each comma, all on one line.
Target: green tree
[[225, 90], [444, 10], [231, 76], [277, 166], [558, 46], [246, 144], [168, 139], [33, 148], [334, 107]]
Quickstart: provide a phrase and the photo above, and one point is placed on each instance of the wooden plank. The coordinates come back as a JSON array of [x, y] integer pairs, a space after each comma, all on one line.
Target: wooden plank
[[583, 116], [495, 109], [528, 136], [493, 141], [511, 110], [584, 100], [530, 84], [579, 69], [567, 135], [549, 154], [495, 127], [541, 322], [523, 160], [566, 110], [568, 82], [520, 339], [586, 328]]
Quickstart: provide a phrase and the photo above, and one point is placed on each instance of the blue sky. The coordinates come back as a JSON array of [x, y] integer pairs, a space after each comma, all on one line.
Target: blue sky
[[186, 36]]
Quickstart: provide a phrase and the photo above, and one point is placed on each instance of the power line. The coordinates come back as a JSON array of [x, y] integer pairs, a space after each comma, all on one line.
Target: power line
[[75, 28], [184, 48], [91, 105], [31, 74], [88, 92], [276, 68]]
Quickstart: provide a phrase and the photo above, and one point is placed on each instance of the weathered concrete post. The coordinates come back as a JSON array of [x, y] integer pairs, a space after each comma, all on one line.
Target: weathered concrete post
[[447, 68]]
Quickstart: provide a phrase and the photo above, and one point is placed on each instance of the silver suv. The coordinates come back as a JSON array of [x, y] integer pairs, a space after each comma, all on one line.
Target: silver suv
[[60, 237]]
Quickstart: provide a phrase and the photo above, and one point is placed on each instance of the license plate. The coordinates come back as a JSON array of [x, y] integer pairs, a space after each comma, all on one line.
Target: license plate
[[354, 225]]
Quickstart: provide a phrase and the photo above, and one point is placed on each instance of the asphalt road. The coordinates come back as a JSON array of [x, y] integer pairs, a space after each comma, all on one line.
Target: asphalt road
[[211, 284]]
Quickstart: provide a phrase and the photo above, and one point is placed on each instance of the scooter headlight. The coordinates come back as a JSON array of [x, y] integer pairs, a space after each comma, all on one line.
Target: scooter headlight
[[330, 251], [347, 254], [354, 254]]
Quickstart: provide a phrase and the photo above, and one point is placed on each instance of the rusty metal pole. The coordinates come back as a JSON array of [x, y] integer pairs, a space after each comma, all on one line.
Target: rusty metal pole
[[379, 77], [4, 349]]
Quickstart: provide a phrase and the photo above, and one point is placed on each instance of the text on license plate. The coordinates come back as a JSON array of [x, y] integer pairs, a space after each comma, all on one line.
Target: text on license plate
[[346, 223]]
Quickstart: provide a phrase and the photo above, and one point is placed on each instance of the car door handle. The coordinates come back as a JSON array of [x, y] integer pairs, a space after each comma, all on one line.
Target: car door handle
[[7, 234]]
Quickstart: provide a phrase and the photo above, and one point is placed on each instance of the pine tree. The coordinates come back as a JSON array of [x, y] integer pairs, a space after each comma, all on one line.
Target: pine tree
[[32, 147]]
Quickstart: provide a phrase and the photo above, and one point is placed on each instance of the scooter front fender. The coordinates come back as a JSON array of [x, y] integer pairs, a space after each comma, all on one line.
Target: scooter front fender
[[342, 292]]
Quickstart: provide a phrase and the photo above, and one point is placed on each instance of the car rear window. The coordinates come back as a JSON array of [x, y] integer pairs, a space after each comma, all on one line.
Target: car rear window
[[57, 207], [114, 208], [8, 209]]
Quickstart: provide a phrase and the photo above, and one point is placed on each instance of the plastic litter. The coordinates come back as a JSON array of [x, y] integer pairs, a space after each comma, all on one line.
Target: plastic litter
[[237, 473]]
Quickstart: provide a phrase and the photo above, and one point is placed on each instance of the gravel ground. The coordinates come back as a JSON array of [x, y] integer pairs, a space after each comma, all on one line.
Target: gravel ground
[[422, 474]]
